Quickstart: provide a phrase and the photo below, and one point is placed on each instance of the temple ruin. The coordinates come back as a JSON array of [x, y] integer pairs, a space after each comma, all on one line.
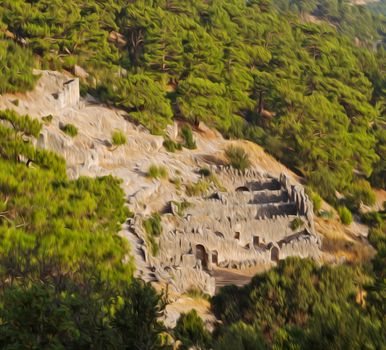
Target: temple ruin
[[252, 223]]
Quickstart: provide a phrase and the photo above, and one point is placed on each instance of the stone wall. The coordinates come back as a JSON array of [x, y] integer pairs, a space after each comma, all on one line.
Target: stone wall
[[69, 95], [248, 225]]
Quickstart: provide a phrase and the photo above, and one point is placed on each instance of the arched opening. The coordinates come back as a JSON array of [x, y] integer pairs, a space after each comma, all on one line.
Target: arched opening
[[237, 235], [275, 254], [202, 255], [242, 189], [215, 257], [219, 235], [256, 241]]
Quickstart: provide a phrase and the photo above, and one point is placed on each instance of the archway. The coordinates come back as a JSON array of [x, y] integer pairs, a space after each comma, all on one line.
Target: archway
[[256, 241], [219, 234], [242, 189], [215, 257], [275, 254], [202, 255]]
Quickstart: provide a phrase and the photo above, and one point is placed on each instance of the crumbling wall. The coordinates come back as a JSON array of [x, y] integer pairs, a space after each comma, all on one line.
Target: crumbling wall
[[69, 95], [248, 225]]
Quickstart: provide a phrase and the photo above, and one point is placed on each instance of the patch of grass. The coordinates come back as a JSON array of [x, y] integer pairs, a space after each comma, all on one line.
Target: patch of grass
[[187, 136], [15, 102], [195, 293], [326, 214], [118, 138], [172, 146], [345, 215], [176, 181], [69, 129], [214, 179], [237, 158], [153, 229], [47, 119], [197, 189], [296, 224], [181, 207], [157, 172]]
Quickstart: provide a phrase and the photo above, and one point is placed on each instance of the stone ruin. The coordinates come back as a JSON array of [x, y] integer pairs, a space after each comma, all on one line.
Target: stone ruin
[[69, 95], [250, 224]]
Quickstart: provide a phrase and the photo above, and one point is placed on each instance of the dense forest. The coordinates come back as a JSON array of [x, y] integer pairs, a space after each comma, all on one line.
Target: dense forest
[[304, 79]]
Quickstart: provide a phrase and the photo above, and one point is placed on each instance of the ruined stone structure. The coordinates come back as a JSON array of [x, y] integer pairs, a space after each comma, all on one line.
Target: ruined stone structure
[[250, 224], [69, 95]]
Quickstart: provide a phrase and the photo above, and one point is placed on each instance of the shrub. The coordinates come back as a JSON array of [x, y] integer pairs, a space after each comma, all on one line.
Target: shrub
[[118, 138], [176, 181], [205, 172], [47, 119], [345, 215], [70, 129], [373, 219], [153, 229], [171, 146], [316, 201], [296, 224], [187, 135], [197, 189], [190, 330], [237, 158], [181, 207], [157, 172], [360, 192]]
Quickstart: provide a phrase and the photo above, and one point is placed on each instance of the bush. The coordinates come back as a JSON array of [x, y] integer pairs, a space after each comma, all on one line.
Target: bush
[[360, 192], [345, 215], [296, 224], [197, 189], [190, 330], [187, 135], [172, 146], [118, 138], [69, 129], [373, 219], [205, 172], [237, 158], [157, 172], [47, 119], [153, 229], [316, 201], [181, 206]]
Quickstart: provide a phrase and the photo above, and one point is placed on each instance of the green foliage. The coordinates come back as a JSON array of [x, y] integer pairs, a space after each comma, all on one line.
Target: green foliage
[[205, 172], [197, 189], [153, 229], [241, 336], [345, 215], [157, 172], [316, 201], [172, 146], [237, 158], [69, 129], [16, 68], [296, 224], [223, 63], [47, 119], [187, 136], [190, 330], [298, 305], [118, 138], [360, 193], [181, 206]]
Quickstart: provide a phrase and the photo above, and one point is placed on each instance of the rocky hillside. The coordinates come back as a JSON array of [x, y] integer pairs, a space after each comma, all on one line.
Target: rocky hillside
[[56, 102]]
